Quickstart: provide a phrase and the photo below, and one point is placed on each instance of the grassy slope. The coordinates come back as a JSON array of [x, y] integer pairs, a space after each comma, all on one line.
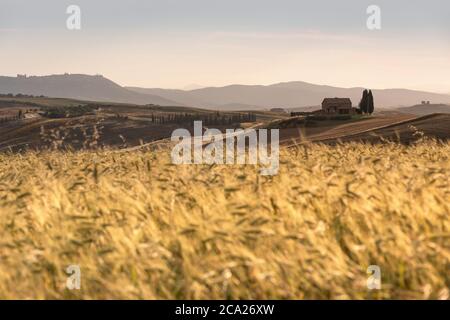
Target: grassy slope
[[140, 227]]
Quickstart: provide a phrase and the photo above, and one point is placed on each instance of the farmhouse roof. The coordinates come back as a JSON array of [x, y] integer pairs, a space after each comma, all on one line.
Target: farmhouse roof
[[337, 100]]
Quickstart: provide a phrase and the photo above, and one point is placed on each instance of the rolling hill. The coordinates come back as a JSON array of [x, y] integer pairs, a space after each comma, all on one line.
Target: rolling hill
[[436, 126], [73, 122], [79, 86], [288, 95], [233, 97], [424, 109], [404, 128]]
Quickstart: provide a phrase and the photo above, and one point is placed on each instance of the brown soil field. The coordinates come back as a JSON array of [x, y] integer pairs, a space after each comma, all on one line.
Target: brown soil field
[[435, 126], [123, 126], [111, 124], [333, 129], [398, 127], [80, 132]]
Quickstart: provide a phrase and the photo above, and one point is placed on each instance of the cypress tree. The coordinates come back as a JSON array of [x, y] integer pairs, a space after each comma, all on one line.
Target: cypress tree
[[370, 103], [363, 102]]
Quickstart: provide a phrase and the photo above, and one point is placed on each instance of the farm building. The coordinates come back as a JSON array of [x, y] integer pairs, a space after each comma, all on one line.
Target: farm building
[[337, 106], [278, 110]]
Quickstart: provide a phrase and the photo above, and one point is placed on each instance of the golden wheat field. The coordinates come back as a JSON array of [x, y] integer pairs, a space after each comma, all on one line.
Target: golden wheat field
[[142, 228]]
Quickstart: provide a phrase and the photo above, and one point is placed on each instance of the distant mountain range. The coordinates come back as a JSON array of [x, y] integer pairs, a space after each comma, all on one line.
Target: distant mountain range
[[288, 95], [234, 97], [78, 86]]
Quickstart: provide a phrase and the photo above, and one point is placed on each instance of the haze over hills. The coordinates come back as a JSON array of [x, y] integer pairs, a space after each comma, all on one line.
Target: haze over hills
[[78, 86], [294, 94], [288, 95]]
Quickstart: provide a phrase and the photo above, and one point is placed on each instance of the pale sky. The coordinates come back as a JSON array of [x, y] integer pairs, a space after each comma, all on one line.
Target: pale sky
[[176, 43]]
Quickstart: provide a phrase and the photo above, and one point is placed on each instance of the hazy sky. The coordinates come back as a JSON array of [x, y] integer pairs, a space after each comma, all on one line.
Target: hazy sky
[[175, 43]]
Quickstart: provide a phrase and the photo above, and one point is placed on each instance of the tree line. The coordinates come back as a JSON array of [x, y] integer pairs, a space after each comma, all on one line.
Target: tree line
[[19, 95], [207, 119]]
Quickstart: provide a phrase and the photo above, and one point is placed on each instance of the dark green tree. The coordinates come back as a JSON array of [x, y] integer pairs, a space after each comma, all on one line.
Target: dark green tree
[[370, 103], [363, 102]]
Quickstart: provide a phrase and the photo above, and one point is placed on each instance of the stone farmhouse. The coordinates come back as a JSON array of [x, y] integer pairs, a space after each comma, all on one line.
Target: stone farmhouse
[[337, 106]]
